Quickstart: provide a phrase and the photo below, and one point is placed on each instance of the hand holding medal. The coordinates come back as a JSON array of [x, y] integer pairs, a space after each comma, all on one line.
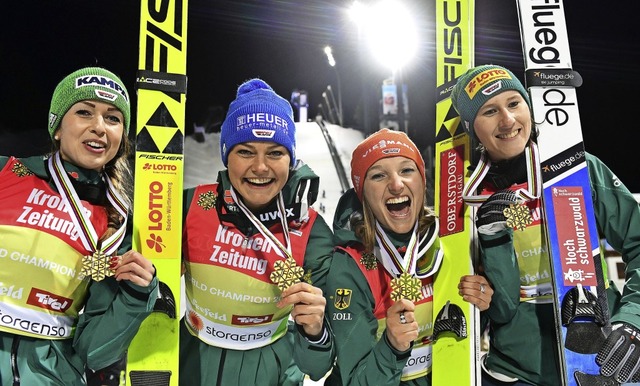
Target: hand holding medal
[[402, 328]]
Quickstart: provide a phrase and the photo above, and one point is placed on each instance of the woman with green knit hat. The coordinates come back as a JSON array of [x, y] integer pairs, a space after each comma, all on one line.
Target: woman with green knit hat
[[72, 293], [256, 255], [495, 108]]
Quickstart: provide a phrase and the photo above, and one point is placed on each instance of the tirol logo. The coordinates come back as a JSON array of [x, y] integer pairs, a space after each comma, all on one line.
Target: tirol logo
[[263, 133], [248, 320], [394, 150], [492, 89], [483, 79], [50, 301], [102, 94], [102, 81]]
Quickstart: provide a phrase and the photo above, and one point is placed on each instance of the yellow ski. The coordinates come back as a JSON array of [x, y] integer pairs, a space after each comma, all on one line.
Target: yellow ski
[[157, 219]]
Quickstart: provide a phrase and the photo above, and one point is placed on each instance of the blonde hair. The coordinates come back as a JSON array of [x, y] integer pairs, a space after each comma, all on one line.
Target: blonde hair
[[118, 170]]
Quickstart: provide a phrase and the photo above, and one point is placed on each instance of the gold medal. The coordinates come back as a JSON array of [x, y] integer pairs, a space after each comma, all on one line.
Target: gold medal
[[518, 216], [407, 287], [96, 266], [286, 273]]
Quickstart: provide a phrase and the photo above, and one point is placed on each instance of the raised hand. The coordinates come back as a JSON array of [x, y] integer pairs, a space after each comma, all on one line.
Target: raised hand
[[308, 307], [402, 328], [476, 290], [490, 217], [134, 267], [620, 354]]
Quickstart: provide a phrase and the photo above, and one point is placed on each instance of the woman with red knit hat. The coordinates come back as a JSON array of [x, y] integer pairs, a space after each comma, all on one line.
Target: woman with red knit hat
[[386, 239]]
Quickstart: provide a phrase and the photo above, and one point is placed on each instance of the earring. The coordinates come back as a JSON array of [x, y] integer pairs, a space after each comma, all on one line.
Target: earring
[[56, 137]]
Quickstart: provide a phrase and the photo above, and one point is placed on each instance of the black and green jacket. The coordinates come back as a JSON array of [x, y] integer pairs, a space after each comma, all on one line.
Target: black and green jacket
[[523, 341], [287, 360], [109, 321]]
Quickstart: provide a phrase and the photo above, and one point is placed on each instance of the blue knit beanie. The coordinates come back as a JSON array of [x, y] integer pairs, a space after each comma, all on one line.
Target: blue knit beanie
[[258, 114], [477, 86]]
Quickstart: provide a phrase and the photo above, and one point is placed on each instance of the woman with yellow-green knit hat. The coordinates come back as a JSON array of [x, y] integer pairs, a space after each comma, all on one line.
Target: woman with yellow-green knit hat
[[72, 293], [495, 108]]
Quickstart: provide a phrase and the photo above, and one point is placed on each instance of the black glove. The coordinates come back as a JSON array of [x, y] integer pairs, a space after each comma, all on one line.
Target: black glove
[[490, 217], [620, 355]]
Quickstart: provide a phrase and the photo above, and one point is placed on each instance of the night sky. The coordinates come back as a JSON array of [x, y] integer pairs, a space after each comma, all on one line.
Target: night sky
[[282, 42]]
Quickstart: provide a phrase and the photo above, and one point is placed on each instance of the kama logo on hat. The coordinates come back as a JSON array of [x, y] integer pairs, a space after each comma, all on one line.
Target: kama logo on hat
[[103, 81], [484, 78]]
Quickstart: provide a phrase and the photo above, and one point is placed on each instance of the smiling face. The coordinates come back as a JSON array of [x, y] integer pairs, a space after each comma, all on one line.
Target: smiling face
[[503, 125], [90, 134], [258, 171], [394, 190]]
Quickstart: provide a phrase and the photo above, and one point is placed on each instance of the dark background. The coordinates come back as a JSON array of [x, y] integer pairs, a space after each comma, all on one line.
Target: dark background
[[282, 42]]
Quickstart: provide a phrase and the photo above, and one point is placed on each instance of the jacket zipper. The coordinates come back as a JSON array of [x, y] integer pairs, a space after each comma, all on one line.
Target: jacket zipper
[[14, 361]]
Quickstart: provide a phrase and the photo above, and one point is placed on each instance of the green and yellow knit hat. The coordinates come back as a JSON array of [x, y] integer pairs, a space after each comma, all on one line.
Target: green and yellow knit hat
[[479, 84], [90, 83]]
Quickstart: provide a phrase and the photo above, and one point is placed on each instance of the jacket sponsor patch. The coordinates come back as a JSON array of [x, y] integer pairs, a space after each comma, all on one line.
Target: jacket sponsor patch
[[343, 298]]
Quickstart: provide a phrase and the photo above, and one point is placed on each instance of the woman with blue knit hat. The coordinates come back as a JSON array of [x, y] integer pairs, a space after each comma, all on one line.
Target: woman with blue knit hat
[[72, 293], [255, 255], [495, 108]]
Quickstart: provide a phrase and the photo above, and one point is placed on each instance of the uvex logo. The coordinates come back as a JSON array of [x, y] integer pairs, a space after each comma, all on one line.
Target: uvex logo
[[47, 300]]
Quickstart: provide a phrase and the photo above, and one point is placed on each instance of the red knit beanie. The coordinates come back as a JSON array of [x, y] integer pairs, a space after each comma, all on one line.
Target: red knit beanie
[[384, 143]]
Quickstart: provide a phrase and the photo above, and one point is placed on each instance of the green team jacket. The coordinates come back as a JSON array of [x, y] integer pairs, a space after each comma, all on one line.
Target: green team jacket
[[109, 321], [286, 361], [522, 337], [362, 360]]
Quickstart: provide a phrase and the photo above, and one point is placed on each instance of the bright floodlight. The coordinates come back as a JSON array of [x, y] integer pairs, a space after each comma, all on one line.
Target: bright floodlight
[[329, 52], [390, 31]]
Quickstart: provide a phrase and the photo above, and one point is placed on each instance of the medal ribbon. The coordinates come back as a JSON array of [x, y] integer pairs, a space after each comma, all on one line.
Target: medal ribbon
[[286, 249], [430, 237], [391, 259], [534, 178], [86, 231]]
